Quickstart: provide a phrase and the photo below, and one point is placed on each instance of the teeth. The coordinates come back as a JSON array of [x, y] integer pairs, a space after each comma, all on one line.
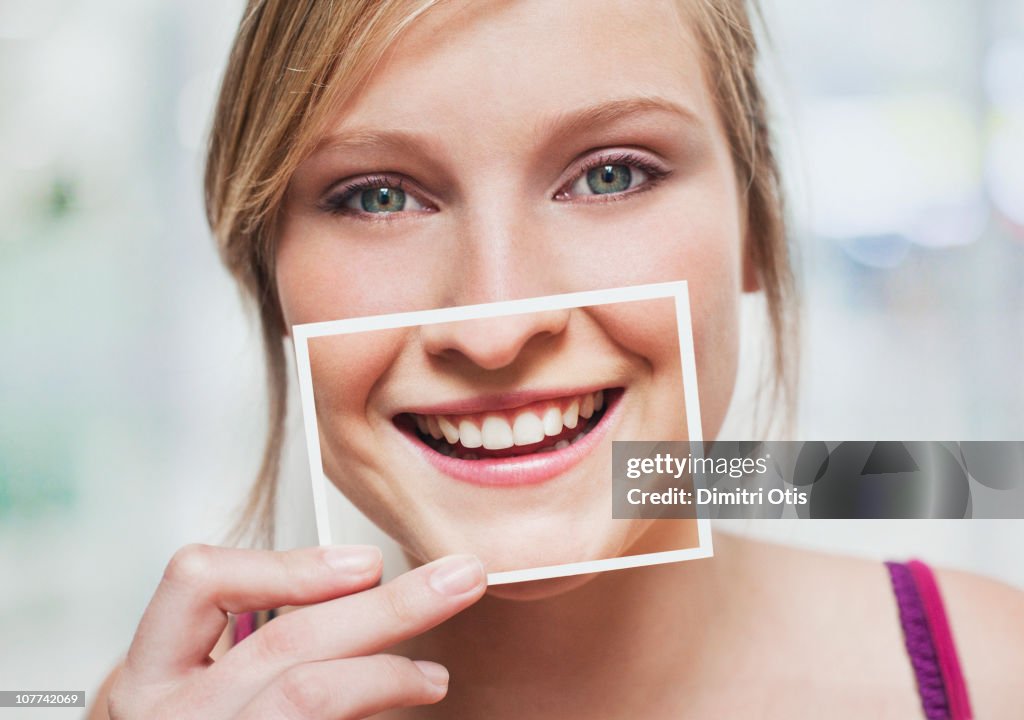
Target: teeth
[[587, 406], [552, 421], [496, 433], [571, 416], [503, 430], [451, 433], [561, 445], [528, 429], [469, 433]]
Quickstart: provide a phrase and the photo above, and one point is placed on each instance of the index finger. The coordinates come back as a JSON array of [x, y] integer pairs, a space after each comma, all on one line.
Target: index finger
[[361, 624], [203, 583]]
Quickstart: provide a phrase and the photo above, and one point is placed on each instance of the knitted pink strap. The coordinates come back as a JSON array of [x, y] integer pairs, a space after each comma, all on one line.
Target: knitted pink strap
[[942, 637], [929, 642]]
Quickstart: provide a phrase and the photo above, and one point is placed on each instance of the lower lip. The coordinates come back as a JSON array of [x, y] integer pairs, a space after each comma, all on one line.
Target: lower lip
[[520, 469]]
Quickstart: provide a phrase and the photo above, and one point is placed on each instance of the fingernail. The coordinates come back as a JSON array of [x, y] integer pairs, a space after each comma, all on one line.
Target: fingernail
[[436, 674], [356, 559], [457, 575]]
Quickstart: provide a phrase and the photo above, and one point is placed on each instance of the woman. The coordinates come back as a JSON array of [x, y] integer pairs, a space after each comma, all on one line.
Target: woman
[[372, 157]]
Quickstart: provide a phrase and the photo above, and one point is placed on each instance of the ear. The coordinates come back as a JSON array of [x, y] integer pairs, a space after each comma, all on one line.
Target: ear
[[751, 275]]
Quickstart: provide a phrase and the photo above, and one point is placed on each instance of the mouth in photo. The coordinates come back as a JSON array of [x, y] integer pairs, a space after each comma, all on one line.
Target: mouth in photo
[[526, 443]]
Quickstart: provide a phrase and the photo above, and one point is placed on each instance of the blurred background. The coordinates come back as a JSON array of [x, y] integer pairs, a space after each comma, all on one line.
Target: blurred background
[[131, 406]]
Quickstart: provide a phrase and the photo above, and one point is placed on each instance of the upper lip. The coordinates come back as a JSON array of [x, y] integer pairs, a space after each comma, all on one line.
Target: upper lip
[[499, 401]]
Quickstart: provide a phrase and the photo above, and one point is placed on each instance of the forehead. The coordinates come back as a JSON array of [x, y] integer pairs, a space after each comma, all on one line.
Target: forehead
[[479, 68]]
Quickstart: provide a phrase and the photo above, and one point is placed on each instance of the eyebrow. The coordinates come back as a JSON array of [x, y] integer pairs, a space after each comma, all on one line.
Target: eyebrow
[[558, 127], [401, 140], [571, 123]]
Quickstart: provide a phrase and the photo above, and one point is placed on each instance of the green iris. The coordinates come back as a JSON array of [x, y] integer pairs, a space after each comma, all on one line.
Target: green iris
[[606, 179], [382, 200]]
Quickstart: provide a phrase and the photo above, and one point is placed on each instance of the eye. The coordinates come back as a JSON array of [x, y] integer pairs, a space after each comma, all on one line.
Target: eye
[[617, 175], [382, 200], [606, 179], [372, 196]]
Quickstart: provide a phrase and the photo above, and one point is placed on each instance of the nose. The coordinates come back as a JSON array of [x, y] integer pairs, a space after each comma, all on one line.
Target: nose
[[493, 343], [504, 252]]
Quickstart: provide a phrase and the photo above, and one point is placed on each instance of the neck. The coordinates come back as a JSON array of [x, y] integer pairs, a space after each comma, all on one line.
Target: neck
[[609, 642]]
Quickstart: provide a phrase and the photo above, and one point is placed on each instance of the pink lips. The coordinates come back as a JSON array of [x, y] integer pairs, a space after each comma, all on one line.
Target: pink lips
[[502, 401], [523, 469]]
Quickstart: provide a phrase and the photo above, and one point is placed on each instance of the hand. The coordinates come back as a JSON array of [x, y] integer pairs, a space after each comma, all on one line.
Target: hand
[[316, 662]]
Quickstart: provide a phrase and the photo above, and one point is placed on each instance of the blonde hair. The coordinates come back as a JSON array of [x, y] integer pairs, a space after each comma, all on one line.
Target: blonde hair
[[293, 62]]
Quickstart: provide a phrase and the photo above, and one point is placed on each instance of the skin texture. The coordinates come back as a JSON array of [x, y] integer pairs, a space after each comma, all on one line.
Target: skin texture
[[567, 519], [311, 664], [486, 139], [501, 213], [491, 173]]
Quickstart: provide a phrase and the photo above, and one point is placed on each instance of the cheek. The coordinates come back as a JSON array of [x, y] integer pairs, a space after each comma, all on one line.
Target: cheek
[[645, 329], [322, 276], [689, 230], [702, 246], [648, 330], [346, 368], [716, 326]]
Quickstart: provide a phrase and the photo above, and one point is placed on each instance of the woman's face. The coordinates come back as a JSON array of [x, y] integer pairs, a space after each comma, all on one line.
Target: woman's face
[[505, 150]]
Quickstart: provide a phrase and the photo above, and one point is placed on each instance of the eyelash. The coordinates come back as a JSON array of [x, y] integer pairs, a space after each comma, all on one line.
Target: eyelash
[[655, 173], [336, 201]]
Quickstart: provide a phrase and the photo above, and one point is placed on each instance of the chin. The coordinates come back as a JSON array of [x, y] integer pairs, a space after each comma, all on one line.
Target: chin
[[539, 589], [523, 540]]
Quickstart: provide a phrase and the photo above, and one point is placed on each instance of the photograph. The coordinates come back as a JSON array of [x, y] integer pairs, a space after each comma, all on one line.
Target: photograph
[[428, 430], [343, 339]]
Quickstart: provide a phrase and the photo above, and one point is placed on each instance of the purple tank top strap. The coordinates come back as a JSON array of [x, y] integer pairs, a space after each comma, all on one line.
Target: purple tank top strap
[[929, 642], [245, 625], [249, 622]]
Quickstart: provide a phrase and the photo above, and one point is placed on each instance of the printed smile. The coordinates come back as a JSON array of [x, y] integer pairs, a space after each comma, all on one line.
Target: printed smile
[[538, 427], [527, 443]]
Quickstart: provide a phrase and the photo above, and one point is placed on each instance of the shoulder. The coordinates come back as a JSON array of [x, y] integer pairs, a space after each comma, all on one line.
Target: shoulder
[[986, 618], [835, 614], [853, 598]]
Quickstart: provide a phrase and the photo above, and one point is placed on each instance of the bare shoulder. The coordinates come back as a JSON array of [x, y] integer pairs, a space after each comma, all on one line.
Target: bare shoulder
[[853, 597], [986, 618], [837, 614]]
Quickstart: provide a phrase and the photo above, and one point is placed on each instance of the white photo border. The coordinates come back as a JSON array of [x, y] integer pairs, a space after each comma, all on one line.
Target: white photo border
[[678, 290]]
